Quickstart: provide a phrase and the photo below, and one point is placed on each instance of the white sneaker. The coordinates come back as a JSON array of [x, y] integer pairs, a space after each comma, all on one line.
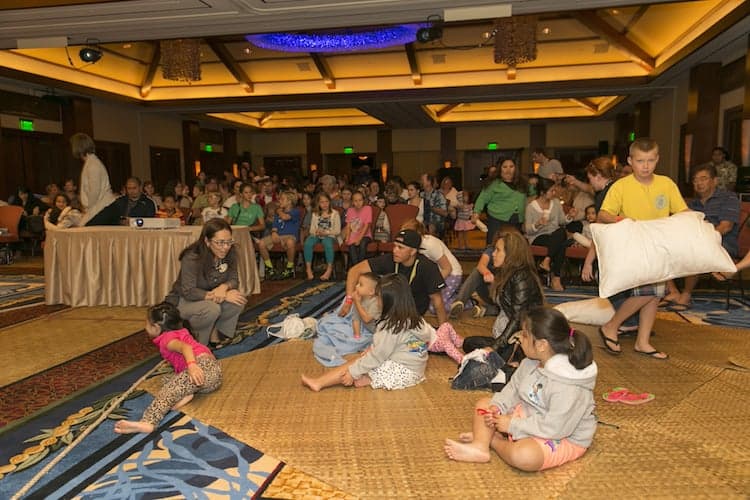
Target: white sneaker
[[456, 309], [478, 311]]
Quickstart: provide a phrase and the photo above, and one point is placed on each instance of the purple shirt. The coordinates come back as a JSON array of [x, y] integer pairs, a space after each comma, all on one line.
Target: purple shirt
[[175, 358]]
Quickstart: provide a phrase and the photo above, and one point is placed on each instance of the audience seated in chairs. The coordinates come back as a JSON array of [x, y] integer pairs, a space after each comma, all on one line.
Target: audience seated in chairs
[[382, 231], [325, 227], [503, 196], [135, 203], [284, 232], [477, 285], [63, 215], [169, 209], [357, 232]]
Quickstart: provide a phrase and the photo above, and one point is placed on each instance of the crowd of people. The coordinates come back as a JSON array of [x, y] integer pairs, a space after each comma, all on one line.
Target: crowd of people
[[544, 415]]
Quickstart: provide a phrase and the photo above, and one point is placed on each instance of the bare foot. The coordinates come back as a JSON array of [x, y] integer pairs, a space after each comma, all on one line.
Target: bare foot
[[463, 452], [544, 264], [362, 381], [466, 437], [325, 276], [311, 383], [183, 402], [310, 275], [130, 427]]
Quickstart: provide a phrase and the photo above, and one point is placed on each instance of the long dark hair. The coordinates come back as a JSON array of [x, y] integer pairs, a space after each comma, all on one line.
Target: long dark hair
[[54, 215], [198, 248], [518, 257], [165, 315], [399, 311], [547, 323]]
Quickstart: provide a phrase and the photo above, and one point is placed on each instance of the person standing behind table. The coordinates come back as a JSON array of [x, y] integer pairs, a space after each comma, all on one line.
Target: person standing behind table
[[504, 198], [97, 201], [135, 203], [641, 195], [205, 291]]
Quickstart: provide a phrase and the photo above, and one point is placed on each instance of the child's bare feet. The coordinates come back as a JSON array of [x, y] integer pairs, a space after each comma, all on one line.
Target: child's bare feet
[[466, 437], [310, 275], [179, 404], [464, 452], [311, 383], [131, 427], [362, 381], [326, 275], [545, 264]]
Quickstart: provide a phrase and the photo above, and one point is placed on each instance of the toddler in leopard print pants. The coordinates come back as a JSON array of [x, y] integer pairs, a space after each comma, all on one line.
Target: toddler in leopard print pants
[[196, 369]]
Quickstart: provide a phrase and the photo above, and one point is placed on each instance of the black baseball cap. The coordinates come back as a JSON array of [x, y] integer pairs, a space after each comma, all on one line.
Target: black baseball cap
[[409, 238]]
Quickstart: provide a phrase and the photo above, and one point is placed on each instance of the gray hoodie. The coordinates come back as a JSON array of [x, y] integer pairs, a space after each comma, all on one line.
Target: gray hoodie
[[408, 348], [557, 400]]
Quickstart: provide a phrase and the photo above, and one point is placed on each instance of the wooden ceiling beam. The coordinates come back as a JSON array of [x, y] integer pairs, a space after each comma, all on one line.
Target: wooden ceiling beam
[[148, 78], [265, 117], [411, 55], [324, 70], [599, 26], [447, 109], [585, 103], [231, 64]]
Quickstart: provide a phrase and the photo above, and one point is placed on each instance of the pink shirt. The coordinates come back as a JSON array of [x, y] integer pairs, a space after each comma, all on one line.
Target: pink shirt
[[175, 358], [357, 219]]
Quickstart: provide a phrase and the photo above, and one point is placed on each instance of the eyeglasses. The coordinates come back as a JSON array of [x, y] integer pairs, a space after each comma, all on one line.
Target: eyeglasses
[[223, 243]]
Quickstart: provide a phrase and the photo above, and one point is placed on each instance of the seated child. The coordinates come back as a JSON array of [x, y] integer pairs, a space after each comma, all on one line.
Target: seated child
[[341, 335], [584, 237], [196, 369], [543, 417], [284, 232], [169, 209], [398, 356], [214, 210]]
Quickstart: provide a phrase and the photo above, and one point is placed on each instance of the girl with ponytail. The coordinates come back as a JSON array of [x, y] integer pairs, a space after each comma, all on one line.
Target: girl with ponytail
[[544, 417]]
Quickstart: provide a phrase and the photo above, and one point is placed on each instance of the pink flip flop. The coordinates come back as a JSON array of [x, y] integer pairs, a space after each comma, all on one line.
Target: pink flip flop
[[623, 395]]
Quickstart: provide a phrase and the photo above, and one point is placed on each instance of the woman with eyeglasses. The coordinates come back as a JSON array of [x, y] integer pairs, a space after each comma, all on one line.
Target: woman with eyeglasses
[[206, 291]]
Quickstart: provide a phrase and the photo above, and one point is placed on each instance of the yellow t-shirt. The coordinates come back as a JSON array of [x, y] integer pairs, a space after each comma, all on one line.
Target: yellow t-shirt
[[629, 198]]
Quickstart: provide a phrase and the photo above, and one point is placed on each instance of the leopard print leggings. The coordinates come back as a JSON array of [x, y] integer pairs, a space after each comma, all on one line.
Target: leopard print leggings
[[179, 386]]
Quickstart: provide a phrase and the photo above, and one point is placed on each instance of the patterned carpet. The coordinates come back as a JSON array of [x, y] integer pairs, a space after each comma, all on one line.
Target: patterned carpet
[[20, 290]]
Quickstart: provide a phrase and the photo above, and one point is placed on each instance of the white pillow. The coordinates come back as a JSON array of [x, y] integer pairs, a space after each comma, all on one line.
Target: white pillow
[[596, 311], [633, 253]]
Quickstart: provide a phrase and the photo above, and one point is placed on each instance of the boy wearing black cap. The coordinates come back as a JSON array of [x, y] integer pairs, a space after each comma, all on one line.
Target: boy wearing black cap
[[423, 275]]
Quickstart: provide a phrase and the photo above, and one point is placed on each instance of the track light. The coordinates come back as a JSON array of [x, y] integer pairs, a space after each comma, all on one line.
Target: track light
[[90, 54], [425, 35]]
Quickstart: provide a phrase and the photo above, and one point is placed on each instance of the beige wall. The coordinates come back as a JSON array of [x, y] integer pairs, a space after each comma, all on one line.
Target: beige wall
[[506, 136], [668, 113], [579, 133], [420, 139]]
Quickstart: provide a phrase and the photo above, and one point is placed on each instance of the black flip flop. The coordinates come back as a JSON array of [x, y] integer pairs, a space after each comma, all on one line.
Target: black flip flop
[[606, 340]]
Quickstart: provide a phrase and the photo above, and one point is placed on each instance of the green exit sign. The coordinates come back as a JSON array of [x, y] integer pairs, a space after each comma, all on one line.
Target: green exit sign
[[492, 146], [348, 150], [27, 125], [209, 148]]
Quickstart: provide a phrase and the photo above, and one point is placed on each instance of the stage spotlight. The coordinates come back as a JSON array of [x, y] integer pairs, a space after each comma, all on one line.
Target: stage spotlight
[[425, 35], [90, 54]]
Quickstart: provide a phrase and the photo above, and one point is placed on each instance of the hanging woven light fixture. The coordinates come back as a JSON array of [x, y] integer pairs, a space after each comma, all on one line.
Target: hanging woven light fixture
[[515, 40], [181, 60]]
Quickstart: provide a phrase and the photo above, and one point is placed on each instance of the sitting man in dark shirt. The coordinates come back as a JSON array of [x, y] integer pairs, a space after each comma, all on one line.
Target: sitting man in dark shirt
[[423, 275], [135, 203]]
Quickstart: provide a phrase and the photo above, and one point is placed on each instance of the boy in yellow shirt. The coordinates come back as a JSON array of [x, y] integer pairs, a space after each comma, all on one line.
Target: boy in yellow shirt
[[642, 195]]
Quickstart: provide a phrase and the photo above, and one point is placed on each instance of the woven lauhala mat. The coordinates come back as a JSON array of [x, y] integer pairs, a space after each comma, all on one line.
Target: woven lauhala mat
[[690, 441]]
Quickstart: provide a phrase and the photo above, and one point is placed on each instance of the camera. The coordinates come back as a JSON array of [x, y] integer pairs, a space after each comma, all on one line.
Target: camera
[[139, 222]]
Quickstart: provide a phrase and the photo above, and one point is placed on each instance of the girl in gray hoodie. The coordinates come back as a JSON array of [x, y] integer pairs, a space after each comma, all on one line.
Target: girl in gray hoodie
[[544, 417]]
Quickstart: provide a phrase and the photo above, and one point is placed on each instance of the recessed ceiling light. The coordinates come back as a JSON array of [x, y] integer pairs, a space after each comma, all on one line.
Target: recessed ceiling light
[[614, 12], [546, 30], [247, 50], [127, 45]]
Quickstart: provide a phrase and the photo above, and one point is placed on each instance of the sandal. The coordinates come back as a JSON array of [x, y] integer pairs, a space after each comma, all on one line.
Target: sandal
[[608, 341], [622, 395]]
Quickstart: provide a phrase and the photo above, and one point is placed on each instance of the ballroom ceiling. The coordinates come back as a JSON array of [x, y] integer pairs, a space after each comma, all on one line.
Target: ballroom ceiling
[[589, 61]]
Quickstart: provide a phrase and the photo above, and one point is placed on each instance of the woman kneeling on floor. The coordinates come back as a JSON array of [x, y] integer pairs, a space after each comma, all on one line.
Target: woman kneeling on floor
[[544, 417]]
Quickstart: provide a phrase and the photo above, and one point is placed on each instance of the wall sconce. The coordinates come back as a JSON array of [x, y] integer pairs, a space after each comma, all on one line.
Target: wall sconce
[[197, 167], [235, 171], [384, 172], [536, 166]]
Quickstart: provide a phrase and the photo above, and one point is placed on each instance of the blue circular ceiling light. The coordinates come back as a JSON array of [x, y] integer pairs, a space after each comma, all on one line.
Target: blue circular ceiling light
[[338, 41]]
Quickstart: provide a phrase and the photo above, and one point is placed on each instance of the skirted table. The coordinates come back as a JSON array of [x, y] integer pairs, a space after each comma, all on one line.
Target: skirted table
[[123, 266]]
